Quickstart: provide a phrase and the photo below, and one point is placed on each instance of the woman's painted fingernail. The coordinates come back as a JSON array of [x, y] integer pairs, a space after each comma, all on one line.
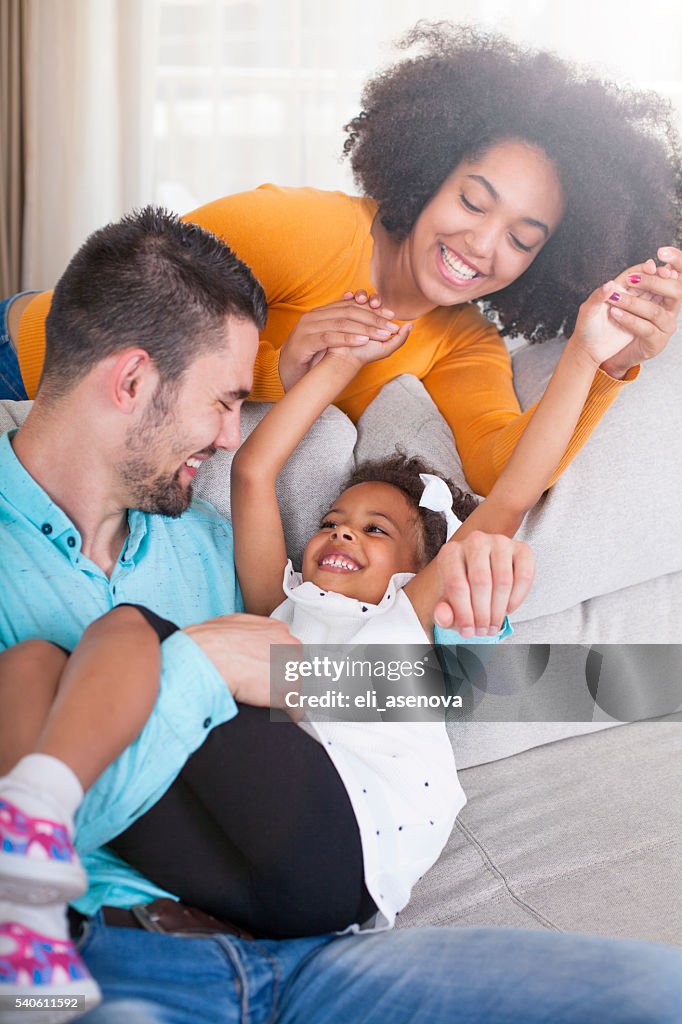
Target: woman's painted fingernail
[[614, 296], [634, 278]]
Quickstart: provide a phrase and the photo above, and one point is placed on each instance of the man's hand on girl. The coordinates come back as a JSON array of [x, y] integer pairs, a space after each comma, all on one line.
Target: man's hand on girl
[[483, 578], [239, 647], [348, 323]]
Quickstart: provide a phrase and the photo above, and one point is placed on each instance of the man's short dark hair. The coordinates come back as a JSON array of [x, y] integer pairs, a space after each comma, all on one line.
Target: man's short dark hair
[[149, 280]]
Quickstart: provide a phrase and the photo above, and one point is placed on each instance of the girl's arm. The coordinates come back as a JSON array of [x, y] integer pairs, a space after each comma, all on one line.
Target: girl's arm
[[485, 570], [602, 327], [528, 472], [260, 553], [616, 333]]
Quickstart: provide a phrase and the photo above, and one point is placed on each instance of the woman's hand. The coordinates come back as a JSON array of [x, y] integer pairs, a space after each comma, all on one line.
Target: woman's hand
[[482, 578], [350, 323], [633, 317], [663, 288]]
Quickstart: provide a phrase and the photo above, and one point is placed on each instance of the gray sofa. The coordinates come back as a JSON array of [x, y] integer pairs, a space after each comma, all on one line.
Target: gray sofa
[[569, 825]]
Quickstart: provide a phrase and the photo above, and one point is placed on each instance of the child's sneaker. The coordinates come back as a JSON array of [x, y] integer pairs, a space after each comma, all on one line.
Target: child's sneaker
[[41, 975], [38, 863]]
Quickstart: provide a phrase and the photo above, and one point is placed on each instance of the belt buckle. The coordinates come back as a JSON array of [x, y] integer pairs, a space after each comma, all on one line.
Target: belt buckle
[[164, 917], [149, 921]]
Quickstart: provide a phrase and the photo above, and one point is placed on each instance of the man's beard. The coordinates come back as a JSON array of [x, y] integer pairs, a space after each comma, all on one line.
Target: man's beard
[[148, 490], [161, 495]]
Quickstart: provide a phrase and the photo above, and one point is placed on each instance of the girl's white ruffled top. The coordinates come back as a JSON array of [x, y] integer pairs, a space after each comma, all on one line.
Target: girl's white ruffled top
[[400, 776]]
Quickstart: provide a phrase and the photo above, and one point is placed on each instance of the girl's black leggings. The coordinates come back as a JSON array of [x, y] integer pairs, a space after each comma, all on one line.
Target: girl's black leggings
[[257, 830]]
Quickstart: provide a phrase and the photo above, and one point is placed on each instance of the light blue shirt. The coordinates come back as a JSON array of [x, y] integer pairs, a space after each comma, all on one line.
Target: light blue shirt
[[182, 569]]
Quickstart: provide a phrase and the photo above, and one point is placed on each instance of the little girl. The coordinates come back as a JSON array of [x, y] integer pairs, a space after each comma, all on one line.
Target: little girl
[[389, 789]]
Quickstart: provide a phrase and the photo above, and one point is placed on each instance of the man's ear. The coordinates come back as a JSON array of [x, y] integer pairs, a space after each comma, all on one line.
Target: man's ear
[[132, 379]]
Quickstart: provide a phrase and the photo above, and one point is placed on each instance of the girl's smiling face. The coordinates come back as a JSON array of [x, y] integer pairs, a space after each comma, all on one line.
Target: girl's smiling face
[[485, 225], [371, 533]]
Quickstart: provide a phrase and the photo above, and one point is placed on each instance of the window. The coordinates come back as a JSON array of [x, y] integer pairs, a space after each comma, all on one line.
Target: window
[[248, 91]]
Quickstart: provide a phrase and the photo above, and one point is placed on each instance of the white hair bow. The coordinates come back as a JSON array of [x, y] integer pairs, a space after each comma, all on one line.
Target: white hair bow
[[438, 498]]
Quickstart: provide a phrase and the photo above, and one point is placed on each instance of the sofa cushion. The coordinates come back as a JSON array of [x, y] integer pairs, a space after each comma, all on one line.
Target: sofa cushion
[[404, 414], [306, 487], [649, 612], [13, 414], [581, 835]]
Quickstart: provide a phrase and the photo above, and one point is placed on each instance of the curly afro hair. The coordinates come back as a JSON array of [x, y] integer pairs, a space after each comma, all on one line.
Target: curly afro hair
[[615, 150], [402, 471]]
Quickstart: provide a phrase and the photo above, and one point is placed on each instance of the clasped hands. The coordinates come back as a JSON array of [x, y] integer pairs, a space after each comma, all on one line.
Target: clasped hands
[[632, 318], [358, 325]]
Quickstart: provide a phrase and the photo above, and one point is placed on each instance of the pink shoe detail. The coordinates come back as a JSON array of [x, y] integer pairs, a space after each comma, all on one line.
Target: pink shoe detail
[[19, 832], [36, 959]]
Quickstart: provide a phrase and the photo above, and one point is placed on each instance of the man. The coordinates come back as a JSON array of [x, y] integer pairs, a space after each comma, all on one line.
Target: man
[[151, 342]]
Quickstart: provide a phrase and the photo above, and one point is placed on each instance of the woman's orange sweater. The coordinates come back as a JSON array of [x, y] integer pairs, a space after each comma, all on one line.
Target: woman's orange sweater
[[307, 248]]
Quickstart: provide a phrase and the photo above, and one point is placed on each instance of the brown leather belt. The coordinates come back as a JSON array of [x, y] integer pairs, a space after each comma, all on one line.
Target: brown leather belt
[[171, 917]]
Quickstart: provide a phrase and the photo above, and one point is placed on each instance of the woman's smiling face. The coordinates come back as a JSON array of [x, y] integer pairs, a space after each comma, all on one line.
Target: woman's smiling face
[[486, 224]]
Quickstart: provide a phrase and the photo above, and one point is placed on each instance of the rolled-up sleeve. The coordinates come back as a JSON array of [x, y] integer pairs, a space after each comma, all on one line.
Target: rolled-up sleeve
[[193, 699]]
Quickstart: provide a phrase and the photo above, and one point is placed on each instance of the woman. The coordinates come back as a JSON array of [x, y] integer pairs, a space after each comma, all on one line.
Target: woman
[[489, 172]]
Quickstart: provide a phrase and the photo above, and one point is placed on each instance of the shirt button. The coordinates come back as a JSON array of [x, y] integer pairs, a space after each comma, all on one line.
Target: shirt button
[[207, 722], [71, 541], [47, 529]]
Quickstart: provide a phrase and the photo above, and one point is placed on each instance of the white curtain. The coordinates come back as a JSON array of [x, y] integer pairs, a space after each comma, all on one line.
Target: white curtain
[[90, 74], [181, 101], [258, 90]]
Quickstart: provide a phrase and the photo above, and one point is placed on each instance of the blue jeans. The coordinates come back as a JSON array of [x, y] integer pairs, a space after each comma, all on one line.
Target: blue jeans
[[11, 384], [427, 975]]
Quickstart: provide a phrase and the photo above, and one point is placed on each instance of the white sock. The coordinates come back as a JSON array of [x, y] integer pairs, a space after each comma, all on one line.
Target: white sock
[[43, 787], [49, 920]]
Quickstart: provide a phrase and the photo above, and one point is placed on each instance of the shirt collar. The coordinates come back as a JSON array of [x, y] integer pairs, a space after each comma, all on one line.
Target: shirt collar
[[20, 490], [26, 495], [138, 526]]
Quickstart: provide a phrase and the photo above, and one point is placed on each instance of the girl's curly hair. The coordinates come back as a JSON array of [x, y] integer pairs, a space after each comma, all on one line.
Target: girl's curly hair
[[616, 151], [402, 471]]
